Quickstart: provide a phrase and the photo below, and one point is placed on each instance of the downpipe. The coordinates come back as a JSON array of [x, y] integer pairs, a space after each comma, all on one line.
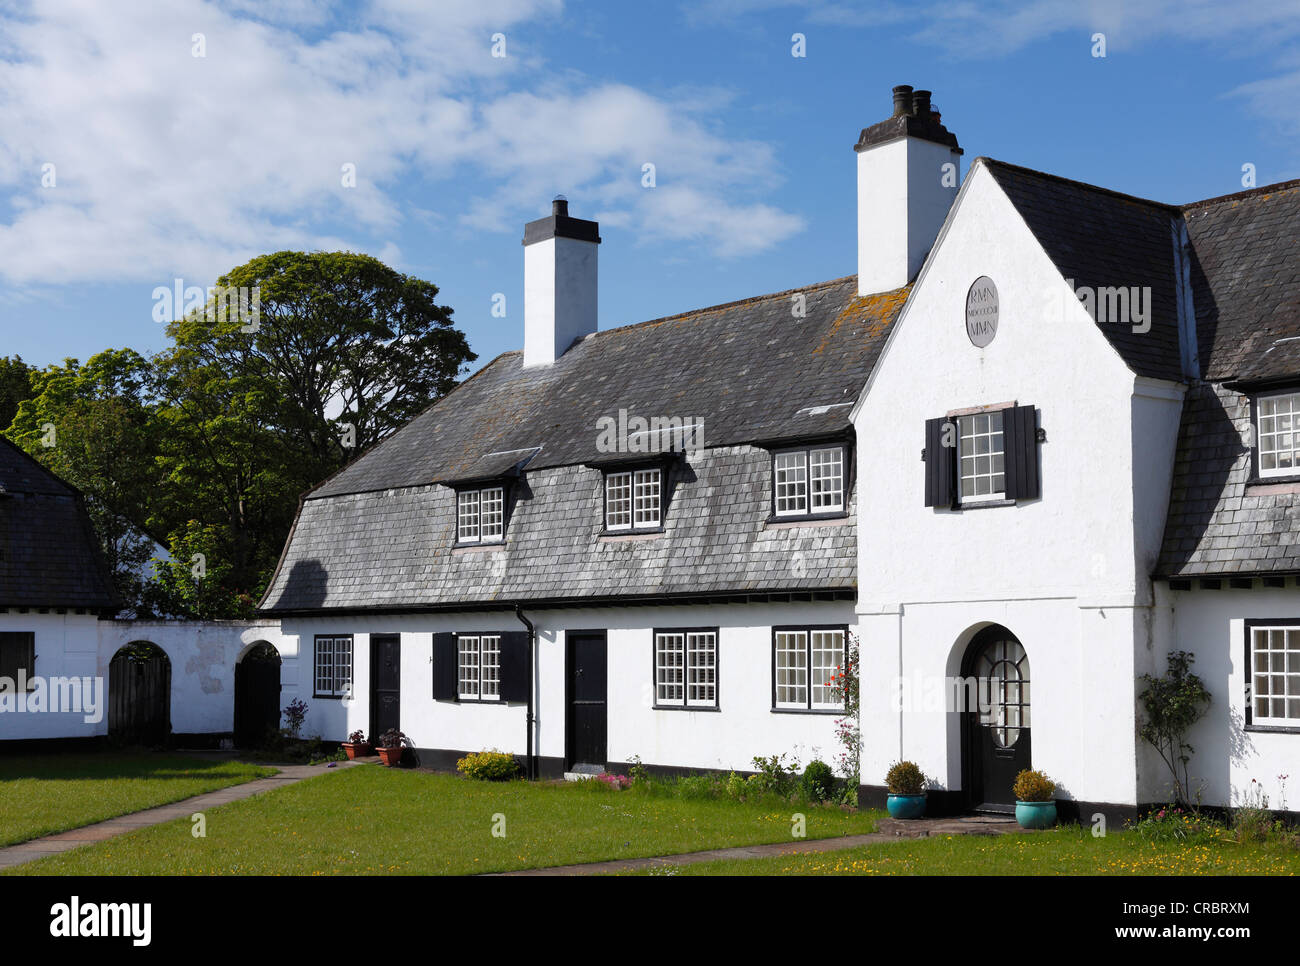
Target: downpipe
[[531, 719]]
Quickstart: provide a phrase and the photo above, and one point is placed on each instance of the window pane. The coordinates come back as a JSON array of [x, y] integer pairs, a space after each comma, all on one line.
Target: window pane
[[791, 482], [493, 513], [324, 665], [702, 658], [490, 667], [827, 471], [467, 649], [342, 664], [618, 501], [981, 456], [669, 667], [827, 661], [467, 516], [647, 498]]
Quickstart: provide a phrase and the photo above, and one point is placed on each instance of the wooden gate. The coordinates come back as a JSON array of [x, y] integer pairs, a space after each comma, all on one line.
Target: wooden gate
[[139, 695], [257, 695]]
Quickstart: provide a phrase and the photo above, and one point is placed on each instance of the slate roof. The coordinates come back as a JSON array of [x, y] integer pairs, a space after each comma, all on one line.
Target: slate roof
[[379, 533], [49, 555], [1246, 294], [1103, 239]]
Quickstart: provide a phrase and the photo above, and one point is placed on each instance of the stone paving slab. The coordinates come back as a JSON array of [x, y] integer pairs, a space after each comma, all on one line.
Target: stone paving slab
[[888, 830], [59, 842]]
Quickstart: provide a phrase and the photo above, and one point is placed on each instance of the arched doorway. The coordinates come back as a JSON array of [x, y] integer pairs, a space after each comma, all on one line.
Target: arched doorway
[[139, 694], [995, 732], [257, 695]]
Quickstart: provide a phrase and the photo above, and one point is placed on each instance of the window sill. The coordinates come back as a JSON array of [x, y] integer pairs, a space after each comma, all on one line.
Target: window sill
[[481, 701], [1275, 729], [689, 707], [1268, 485], [814, 520], [620, 536], [332, 697], [460, 548], [830, 711], [983, 505]]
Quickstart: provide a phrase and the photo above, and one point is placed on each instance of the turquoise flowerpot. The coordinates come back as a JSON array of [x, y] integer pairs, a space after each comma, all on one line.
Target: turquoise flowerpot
[[1036, 814], [905, 806]]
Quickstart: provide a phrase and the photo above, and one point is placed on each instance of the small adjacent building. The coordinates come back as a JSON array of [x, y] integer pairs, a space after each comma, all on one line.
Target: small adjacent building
[[1044, 436]]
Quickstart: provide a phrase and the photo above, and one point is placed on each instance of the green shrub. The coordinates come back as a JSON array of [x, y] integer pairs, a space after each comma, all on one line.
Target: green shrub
[[905, 778], [736, 787], [1033, 786], [776, 776], [489, 766], [637, 771], [818, 781], [1174, 824]]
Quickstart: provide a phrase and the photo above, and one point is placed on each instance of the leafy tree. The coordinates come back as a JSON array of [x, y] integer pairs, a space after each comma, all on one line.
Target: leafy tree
[[15, 386], [196, 581], [1173, 703]]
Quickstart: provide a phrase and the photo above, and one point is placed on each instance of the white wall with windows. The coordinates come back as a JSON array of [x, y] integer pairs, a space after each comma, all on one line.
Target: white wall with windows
[[63, 645]]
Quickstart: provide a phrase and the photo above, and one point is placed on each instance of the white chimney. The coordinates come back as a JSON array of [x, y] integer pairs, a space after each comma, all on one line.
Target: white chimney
[[909, 168], [559, 283]]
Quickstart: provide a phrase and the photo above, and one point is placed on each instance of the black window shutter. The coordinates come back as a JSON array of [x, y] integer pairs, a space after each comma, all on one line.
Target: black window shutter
[[444, 667], [514, 666], [17, 650], [939, 464], [1020, 440]]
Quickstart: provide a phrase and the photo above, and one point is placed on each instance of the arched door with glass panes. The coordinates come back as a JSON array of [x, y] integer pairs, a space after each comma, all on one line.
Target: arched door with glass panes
[[996, 724]]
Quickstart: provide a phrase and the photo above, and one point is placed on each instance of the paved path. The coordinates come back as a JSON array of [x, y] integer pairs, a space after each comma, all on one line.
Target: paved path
[[888, 830], [113, 827]]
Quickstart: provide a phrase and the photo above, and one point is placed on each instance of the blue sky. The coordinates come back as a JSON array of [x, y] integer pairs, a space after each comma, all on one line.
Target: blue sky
[[170, 165]]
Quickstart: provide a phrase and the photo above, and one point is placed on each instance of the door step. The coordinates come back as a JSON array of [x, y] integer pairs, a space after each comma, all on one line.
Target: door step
[[582, 771]]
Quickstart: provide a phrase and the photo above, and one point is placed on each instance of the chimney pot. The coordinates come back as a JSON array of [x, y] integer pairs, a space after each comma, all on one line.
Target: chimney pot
[[902, 100], [560, 206], [921, 104]]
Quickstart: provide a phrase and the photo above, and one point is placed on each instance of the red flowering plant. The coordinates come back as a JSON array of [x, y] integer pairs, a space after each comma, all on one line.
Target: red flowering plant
[[848, 729], [616, 782]]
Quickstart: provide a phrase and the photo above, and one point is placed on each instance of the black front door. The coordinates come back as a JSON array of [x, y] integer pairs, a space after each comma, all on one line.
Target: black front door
[[585, 724], [997, 728], [385, 683]]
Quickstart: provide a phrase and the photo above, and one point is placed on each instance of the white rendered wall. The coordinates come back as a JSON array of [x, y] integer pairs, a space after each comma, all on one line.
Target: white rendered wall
[[66, 646], [1065, 573], [902, 202], [745, 726], [560, 292]]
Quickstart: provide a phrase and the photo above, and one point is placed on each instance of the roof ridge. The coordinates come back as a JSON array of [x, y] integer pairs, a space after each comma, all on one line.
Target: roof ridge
[[1076, 184], [1248, 193]]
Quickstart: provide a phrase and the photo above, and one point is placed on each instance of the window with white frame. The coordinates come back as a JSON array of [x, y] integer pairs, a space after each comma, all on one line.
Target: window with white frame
[[333, 666], [686, 669], [1278, 434], [1275, 675], [478, 667], [480, 515], [807, 482], [981, 455], [805, 665], [634, 499]]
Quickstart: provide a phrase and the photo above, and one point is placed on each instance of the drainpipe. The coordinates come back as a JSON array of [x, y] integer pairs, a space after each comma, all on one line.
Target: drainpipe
[[532, 659]]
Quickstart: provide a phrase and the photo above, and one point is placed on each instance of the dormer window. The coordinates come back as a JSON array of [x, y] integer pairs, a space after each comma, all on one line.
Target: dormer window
[[634, 500], [481, 515], [1278, 434], [808, 482]]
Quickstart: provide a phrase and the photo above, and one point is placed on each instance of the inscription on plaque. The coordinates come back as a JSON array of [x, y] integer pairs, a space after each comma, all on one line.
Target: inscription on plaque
[[982, 311]]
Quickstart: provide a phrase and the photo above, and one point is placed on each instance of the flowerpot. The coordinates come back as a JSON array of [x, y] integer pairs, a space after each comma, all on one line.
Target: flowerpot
[[356, 749], [906, 806], [390, 756], [1036, 814]]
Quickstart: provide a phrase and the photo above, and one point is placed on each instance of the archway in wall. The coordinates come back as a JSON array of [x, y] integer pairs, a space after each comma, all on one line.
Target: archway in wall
[[996, 742], [257, 695], [139, 694]]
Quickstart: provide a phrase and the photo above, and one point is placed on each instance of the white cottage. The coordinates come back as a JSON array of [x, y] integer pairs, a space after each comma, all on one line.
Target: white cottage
[[1044, 435]]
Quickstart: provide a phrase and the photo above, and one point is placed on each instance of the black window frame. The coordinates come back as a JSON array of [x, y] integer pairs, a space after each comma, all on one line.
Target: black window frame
[[26, 642], [717, 669], [1256, 477], [807, 629], [1248, 674], [663, 468], [334, 695], [847, 466], [506, 507]]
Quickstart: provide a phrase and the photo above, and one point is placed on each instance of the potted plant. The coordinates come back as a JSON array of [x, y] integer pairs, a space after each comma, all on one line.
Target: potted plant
[[356, 746], [906, 784], [1035, 806], [390, 747]]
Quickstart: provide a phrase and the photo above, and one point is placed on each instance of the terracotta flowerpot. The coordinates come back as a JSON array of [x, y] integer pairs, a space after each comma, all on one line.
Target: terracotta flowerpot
[[357, 749], [390, 756]]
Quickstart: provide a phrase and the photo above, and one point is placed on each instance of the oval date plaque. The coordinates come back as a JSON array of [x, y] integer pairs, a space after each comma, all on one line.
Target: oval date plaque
[[982, 311]]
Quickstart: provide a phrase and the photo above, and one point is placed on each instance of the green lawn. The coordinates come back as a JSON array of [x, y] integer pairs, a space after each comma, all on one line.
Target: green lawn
[[373, 820], [42, 794], [1070, 850]]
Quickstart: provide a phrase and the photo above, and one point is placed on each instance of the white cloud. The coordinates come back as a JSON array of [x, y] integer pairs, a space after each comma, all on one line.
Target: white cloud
[[169, 164]]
